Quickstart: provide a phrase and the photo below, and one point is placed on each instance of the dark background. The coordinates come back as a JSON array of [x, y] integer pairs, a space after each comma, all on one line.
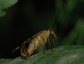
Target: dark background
[[22, 21], [27, 17]]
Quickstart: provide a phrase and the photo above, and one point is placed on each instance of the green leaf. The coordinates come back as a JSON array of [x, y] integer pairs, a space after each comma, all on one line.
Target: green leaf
[[5, 4], [61, 55], [2, 13], [73, 54]]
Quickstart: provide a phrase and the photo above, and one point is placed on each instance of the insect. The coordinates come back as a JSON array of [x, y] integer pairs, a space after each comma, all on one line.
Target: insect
[[32, 44]]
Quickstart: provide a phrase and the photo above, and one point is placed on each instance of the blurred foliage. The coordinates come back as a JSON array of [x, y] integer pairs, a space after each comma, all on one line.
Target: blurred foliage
[[77, 34], [65, 9], [73, 54], [5, 4], [68, 23]]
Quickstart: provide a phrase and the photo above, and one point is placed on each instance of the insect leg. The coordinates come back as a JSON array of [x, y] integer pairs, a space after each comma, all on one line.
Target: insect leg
[[53, 43], [44, 49], [50, 44]]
